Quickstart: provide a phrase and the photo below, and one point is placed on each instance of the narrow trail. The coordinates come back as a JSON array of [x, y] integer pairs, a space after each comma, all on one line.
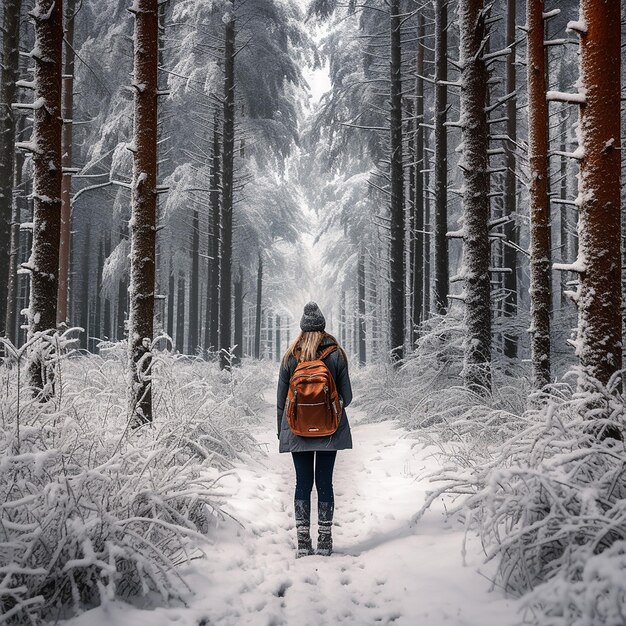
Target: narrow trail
[[382, 571]]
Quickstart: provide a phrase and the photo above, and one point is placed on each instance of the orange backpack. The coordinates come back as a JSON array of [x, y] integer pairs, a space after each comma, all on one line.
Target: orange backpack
[[313, 405]]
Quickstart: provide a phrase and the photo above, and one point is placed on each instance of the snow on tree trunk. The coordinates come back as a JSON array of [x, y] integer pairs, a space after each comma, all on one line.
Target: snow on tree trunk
[[599, 341], [180, 316], [14, 252], [194, 287], [361, 307], [510, 183], [227, 185], [474, 165], [213, 289], [278, 339], [440, 242], [540, 256], [418, 209], [238, 350], [397, 261], [67, 107], [8, 90], [144, 202], [259, 301], [45, 146]]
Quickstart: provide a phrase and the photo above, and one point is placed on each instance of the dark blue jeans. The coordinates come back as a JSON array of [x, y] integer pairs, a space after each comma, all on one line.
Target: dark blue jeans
[[322, 475]]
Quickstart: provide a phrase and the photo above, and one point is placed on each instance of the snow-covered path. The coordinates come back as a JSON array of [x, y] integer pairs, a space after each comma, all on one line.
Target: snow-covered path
[[382, 571]]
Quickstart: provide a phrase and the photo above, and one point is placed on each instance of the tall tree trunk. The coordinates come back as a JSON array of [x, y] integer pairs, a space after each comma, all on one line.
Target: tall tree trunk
[[396, 260], [510, 185], [259, 300], [144, 203], [270, 336], [475, 272], [8, 92], [122, 308], [171, 295], [361, 307], [238, 351], [14, 252], [213, 290], [418, 209], [194, 286], [599, 295], [440, 242], [428, 228], [564, 237], [540, 255], [97, 326], [107, 331], [180, 316], [67, 107], [46, 148], [227, 186], [278, 338], [84, 289]]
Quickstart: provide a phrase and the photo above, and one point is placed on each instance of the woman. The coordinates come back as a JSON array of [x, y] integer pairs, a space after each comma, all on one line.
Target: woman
[[314, 457]]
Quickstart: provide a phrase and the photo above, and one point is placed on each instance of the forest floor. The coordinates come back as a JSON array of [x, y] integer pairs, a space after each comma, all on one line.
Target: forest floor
[[383, 571]]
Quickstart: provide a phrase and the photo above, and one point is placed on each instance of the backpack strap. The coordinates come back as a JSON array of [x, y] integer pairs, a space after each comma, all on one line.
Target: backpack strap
[[327, 351]]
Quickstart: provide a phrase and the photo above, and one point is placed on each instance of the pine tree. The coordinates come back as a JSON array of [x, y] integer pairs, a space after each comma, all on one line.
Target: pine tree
[[540, 255], [474, 165], [8, 93], [440, 241], [144, 201], [599, 342], [45, 145], [227, 185], [396, 253]]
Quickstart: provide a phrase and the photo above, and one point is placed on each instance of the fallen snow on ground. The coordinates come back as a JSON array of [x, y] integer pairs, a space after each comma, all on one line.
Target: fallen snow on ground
[[382, 571]]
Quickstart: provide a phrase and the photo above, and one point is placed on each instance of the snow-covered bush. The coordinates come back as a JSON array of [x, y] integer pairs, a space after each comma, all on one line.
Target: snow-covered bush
[[545, 489], [90, 508], [427, 389]]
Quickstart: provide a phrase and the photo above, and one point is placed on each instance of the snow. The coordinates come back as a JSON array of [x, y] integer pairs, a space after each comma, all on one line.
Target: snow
[[383, 570]]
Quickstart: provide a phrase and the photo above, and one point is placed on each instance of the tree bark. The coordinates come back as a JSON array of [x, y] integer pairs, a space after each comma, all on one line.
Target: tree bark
[[278, 339], [599, 344], [227, 186], [46, 148], [540, 255], [213, 288], [11, 330], [97, 325], [238, 351], [441, 278], [67, 107], [106, 322], [396, 253], [361, 308], [84, 289], [194, 286], [418, 208], [8, 93], [180, 316], [474, 165], [259, 300], [510, 185], [144, 203], [171, 295]]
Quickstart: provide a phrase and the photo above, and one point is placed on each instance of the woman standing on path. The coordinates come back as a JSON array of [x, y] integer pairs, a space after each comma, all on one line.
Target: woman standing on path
[[314, 457]]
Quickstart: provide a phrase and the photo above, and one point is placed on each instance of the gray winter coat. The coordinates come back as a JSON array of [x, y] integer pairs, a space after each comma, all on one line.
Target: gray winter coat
[[341, 439]]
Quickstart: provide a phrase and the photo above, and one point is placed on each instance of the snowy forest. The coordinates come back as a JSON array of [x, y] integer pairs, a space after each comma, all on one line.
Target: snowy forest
[[443, 177]]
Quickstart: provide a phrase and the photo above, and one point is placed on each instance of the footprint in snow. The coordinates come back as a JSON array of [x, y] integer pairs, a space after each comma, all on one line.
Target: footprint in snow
[[345, 580], [282, 588]]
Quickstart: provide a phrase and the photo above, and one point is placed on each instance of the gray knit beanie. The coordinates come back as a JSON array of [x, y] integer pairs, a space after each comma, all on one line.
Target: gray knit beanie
[[312, 319]]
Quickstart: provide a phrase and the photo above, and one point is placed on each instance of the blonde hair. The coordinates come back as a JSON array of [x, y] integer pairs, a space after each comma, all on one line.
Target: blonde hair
[[306, 345]]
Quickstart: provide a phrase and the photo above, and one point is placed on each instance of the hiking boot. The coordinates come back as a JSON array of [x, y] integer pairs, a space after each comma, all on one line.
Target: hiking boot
[[324, 526], [303, 527]]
